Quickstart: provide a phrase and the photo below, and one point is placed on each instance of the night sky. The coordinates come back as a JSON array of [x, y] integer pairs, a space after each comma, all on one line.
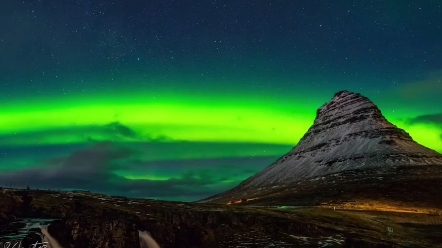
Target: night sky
[[179, 100]]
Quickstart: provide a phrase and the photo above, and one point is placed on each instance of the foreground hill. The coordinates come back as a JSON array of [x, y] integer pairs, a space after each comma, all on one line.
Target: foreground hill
[[97, 221]]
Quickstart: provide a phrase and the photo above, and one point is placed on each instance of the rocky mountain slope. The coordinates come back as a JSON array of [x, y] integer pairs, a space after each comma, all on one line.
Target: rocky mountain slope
[[349, 133]]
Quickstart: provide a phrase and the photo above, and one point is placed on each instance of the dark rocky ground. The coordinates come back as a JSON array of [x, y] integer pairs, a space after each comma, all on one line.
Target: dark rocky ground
[[92, 220], [405, 198]]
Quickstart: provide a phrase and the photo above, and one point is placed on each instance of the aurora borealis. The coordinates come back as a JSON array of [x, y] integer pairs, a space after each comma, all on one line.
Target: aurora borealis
[[180, 100]]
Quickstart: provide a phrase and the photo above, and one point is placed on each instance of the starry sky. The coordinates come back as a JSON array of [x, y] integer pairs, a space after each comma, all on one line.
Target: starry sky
[[180, 100]]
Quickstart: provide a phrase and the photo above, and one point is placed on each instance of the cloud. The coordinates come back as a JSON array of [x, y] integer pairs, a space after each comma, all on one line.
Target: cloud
[[118, 128], [161, 138], [435, 119], [114, 131], [80, 168], [428, 88], [104, 167]]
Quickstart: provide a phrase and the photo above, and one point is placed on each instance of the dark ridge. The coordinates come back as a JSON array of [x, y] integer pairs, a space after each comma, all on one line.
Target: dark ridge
[[388, 131], [339, 93], [388, 142], [395, 157], [315, 147]]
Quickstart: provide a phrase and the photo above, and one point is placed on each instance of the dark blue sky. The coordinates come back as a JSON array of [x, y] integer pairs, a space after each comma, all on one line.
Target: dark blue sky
[[376, 39]]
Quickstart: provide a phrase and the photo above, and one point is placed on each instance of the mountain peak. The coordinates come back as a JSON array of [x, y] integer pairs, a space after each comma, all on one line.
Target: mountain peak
[[345, 103], [344, 92]]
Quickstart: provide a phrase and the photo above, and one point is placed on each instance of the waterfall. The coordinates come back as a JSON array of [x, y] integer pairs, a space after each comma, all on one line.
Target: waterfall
[[47, 239], [146, 241]]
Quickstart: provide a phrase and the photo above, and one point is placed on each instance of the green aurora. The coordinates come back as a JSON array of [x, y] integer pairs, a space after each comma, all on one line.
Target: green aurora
[[179, 117]]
